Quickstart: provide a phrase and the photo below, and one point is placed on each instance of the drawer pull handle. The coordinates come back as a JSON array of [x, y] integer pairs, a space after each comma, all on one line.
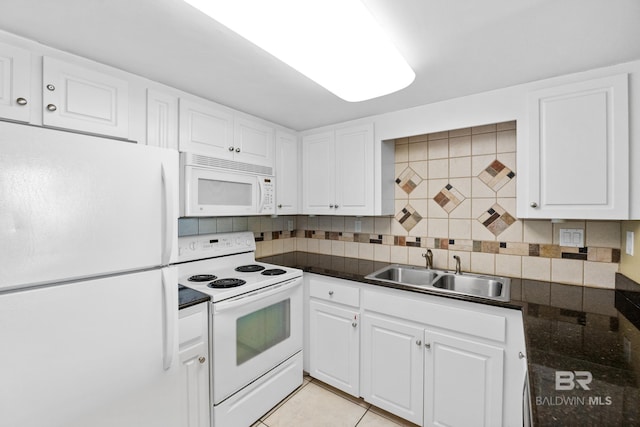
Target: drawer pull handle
[[51, 107], [21, 101]]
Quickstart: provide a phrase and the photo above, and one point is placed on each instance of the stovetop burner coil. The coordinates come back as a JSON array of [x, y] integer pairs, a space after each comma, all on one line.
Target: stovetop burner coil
[[250, 268], [202, 278], [226, 283], [273, 272]]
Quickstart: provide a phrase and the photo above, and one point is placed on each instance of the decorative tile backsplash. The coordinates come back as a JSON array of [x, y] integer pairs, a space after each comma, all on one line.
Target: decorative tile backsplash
[[456, 195]]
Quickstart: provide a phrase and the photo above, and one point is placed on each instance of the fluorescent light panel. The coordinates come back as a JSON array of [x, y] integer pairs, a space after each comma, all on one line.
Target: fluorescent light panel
[[335, 43]]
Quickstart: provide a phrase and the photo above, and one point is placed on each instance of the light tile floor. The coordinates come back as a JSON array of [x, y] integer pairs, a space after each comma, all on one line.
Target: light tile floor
[[316, 404]]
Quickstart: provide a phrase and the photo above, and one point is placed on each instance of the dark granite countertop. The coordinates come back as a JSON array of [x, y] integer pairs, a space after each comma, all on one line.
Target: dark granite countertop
[[188, 297], [567, 328]]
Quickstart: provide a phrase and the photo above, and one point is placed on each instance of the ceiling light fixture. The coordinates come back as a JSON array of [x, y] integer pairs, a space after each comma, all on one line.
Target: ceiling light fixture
[[335, 43]]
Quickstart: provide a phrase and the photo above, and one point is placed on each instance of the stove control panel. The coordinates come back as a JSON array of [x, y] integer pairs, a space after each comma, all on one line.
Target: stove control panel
[[212, 245]]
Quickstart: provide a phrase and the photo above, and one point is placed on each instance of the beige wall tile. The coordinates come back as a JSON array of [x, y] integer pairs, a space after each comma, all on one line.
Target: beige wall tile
[[225, 225], [266, 224], [277, 223], [418, 138], [484, 129], [398, 254], [537, 231], [509, 189], [351, 249], [600, 274], [506, 141], [381, 253], [459, 167], [438, 228], [301, 244], [480, 163], [509, 265], [337, 223], [253, 224], [288, 245], [536, 268], [402, 152], [459, 147], [506, 125], [415, 256], [440, 259], [438, 149], [418, 151], [508, 159], [421, 206], [604, 234], [312, 223], [463, 211], [459, 132], [421, 191], [480, 190], [313, 246], [483, 263], [266, 248], [438, 169], [278, 246], [435, 210], [435, 186], [460, 229], [365, 251], [397, 229], [421, 229], [438, 135], [480, 232], [382, 225], [421, 168], [337, 248], [325, 247], [368, 223], [512, 234], [567, 271], [483, 144]]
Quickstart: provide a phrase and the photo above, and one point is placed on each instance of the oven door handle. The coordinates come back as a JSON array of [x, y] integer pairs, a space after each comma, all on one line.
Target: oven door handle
[[259, 294]]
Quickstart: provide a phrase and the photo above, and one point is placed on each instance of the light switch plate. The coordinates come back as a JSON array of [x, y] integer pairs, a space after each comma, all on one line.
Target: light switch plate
[[630, 239], [358, 226], [573, 237], [289, 225]]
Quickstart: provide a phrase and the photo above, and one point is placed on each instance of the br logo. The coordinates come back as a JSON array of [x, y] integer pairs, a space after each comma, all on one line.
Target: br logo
[[569, 380]]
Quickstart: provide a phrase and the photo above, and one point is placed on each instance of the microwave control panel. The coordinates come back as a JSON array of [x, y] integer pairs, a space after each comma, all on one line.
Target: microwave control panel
[[268, 196]]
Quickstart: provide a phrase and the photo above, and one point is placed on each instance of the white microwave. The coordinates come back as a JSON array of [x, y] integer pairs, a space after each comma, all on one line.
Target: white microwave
[[218, 187]]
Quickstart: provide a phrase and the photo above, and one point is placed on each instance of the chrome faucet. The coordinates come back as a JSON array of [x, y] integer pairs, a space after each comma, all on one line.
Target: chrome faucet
[[457, 258], [428, 257]]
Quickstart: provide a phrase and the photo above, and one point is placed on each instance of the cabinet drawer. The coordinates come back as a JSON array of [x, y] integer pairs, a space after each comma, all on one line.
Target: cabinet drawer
[[329, 290]]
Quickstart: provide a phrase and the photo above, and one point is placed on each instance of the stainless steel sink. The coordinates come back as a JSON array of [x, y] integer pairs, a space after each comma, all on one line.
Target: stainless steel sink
[[490, 287], [482, 286], [405, 275]]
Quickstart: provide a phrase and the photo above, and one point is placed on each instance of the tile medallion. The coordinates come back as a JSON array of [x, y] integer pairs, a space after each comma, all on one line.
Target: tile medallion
[[408, 217], [408, 180], [496, 175], [496, 219], [449, 198]]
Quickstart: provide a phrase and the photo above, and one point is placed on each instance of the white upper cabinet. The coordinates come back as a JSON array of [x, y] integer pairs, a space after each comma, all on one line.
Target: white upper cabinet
[[82, 99], [15, 89], [253, 142], [286, 173], [162, 119], [206, 129], [578, 152], [338, 172]]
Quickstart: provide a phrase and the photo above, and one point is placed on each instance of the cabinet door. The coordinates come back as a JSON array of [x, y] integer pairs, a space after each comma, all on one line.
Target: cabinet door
[[81, 99], [463, 382], [194, 367], [254, 143], [318, 169], [335, 346], [286, 173], [354, 170], [578, 152], [205, 129], [15, 90], [162, 120], [392, 366]]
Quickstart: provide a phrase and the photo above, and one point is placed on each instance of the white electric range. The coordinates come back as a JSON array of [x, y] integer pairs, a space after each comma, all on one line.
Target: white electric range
[[255, 324]]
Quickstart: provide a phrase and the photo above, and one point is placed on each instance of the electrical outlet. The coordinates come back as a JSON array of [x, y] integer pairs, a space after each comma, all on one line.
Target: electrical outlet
[[290, 225], [572, 237], [630, 239], [626, 349]]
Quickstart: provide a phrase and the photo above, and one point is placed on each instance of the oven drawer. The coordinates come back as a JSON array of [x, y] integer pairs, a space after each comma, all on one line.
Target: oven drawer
[[328, 289]]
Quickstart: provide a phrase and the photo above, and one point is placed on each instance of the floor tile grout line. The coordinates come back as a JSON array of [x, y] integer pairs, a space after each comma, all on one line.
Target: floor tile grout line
[[365, 413]]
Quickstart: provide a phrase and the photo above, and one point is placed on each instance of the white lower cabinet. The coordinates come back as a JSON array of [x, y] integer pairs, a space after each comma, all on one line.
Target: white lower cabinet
[[431, 360], [193, 333], [462, 373], [392, 367], [335, 344]]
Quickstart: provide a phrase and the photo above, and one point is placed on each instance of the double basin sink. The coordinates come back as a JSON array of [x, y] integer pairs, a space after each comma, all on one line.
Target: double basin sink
[[447, 282]]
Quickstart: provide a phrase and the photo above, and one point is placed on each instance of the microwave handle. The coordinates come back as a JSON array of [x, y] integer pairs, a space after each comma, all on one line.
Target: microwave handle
[[260, 195], [259, 294]]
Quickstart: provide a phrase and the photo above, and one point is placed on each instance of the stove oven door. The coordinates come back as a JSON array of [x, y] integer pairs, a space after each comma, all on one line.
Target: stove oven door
[[253, 333]]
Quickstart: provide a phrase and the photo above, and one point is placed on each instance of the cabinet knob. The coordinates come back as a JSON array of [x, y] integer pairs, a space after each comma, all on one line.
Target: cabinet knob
[[354, 324], [533, 204], [418, 342], [520, 355], [237, 149], [279, 206], [427, 345], [202, 359], [21, 101], [337, 206], [330, 292], [231, 148], [331, 206], [51, 87], [51, 107]]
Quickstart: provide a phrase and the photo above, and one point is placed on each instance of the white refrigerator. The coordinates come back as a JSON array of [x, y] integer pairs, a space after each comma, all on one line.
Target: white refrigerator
[[88, 304]]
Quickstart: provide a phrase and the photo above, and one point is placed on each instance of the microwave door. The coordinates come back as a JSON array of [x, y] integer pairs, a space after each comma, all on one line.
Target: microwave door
[[213, 193]]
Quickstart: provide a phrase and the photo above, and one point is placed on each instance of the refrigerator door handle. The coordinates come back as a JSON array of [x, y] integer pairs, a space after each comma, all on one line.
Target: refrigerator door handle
[[168, 218], [169, 327]]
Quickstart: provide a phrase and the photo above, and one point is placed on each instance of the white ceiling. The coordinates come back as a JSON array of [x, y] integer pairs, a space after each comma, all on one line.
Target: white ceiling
[[456, 48]]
